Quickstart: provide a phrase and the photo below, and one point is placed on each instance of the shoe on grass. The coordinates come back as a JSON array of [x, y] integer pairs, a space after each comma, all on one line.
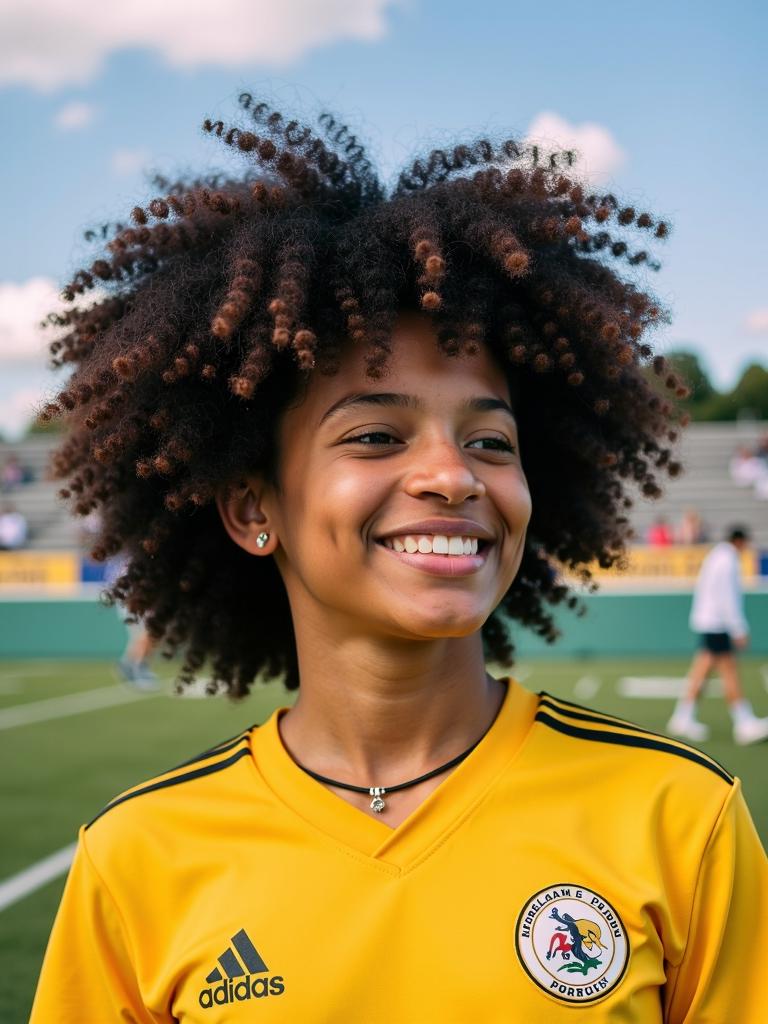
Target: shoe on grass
[[138, 675], [688, 729], [127, 670], [144, 678], [751, 730]]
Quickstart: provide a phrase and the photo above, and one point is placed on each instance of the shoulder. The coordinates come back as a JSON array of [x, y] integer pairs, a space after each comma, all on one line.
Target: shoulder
[[723, 553], [631, 753], [175, 793]]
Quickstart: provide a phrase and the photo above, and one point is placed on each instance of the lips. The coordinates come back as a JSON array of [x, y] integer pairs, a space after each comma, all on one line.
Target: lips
[[442, 563]]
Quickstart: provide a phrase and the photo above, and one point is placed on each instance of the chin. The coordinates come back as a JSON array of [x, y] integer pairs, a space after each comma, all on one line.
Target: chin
[[444, 625]]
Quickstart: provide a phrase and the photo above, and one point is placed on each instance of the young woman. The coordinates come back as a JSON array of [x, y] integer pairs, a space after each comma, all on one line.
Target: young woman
[[344, 436]]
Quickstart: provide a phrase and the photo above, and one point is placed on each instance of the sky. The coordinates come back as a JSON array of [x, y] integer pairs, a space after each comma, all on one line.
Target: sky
[[665, 101]]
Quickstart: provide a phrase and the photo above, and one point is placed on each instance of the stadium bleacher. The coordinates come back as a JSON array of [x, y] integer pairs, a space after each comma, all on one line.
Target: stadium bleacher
[[705, 486], [50, 525]]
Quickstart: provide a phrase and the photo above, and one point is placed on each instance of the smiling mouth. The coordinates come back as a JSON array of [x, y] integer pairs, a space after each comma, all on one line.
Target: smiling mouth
[[435, 544], [437, 564]]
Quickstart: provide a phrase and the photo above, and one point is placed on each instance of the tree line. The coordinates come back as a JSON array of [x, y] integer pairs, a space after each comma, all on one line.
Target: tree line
[[748, 399]]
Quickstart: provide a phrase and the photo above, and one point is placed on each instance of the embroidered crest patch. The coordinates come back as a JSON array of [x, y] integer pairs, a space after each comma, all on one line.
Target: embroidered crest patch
[[572, 943]]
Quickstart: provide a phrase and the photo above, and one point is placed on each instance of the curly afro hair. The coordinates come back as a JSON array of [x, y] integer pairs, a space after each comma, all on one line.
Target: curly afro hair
[[224, 294]]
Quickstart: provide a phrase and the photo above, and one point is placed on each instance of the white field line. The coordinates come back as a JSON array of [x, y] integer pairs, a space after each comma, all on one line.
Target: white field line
[[649, 687], [35, 877], [586, 687], [72, 704]]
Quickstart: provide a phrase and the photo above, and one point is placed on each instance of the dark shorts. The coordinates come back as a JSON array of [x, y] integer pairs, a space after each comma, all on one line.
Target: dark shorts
[[716, 643]]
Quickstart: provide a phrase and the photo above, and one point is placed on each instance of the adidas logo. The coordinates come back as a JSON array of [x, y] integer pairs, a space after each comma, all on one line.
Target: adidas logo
[[232, 990]]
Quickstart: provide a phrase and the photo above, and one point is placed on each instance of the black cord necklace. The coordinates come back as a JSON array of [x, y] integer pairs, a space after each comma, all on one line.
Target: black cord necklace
[[377, 793]]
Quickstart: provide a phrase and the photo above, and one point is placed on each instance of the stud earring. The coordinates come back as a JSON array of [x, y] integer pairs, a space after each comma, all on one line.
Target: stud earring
[[262, 539]]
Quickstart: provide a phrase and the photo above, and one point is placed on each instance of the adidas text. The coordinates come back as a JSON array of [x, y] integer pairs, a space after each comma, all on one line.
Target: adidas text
[[238, 991]]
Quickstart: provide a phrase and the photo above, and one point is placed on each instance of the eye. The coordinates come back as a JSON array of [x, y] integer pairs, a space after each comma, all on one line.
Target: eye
[[498, 442], [363, 438]]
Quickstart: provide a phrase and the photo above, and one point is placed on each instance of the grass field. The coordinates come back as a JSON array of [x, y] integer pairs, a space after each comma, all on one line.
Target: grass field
[[58, 770]]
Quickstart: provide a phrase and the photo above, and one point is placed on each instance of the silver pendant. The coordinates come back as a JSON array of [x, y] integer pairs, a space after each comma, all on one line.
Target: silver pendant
[[377, 804]]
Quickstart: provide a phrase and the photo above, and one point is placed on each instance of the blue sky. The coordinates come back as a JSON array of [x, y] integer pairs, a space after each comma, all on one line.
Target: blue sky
[[674, 93]]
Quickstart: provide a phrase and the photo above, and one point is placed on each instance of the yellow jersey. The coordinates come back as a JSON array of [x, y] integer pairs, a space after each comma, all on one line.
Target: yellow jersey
[[572, 867]]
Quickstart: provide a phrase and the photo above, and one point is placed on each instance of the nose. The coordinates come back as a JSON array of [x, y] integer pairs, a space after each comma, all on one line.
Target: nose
[[440, 468]]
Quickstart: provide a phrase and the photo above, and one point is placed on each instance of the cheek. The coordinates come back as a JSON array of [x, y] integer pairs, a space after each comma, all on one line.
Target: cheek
[[334, 508], [346, 495], [514, 501]]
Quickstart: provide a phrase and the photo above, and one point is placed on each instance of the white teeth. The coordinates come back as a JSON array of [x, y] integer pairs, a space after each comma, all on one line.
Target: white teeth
[[437, 544]]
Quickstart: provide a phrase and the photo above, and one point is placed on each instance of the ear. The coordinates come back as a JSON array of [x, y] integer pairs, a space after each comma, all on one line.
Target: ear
[[241, 507]]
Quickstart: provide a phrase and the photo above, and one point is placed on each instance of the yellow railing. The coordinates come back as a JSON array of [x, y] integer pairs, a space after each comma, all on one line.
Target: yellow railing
[[39, 568], [676, 562]]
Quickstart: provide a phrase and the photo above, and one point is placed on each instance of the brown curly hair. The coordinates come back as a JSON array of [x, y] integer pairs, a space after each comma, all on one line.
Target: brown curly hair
[[226, 293]]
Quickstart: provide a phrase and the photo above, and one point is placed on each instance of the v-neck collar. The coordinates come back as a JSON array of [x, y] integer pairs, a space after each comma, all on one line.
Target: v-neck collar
[[443, 810]]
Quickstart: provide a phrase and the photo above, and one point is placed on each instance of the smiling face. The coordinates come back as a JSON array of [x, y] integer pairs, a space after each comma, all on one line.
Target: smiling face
[[371, 467]]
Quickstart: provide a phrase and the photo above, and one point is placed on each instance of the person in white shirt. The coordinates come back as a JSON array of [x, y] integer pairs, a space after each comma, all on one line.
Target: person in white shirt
[[13, 529], [717, 615]]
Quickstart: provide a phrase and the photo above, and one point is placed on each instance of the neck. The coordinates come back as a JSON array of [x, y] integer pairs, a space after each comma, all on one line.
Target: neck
[[378, 712]]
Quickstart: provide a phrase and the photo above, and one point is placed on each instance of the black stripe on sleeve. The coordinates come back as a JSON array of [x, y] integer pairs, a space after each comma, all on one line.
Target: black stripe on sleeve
[[220, 748], [566, 707], [588, 715], [648, 742], [197, 773]]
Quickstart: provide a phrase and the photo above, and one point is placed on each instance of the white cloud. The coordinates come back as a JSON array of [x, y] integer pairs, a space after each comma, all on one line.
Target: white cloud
[[48, 44], [129, 161], [25, 380], [599, 155], [74, 115], [23, 351], [22, 307], [757, 321]]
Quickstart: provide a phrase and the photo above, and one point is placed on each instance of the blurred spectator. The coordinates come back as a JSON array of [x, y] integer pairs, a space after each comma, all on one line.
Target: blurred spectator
[[13, 474], [761, 450], [690, 529], [13, 529], [747, 468], [659, 534]]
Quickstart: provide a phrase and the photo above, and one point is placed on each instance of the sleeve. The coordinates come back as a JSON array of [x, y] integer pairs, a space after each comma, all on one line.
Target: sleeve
[[723, 965], [87, 972]]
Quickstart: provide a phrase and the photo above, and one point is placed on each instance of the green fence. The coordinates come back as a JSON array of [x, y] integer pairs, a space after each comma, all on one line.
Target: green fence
[[615, 624]]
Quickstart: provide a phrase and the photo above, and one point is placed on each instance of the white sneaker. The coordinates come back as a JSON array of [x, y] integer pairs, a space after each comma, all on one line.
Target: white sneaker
[[688, 729], [751, 730]]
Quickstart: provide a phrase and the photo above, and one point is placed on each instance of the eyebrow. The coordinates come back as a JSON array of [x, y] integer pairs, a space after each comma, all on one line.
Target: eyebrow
[[392, 399]]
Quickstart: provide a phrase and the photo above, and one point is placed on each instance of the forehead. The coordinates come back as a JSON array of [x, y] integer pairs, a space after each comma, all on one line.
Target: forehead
[[416, 365]]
